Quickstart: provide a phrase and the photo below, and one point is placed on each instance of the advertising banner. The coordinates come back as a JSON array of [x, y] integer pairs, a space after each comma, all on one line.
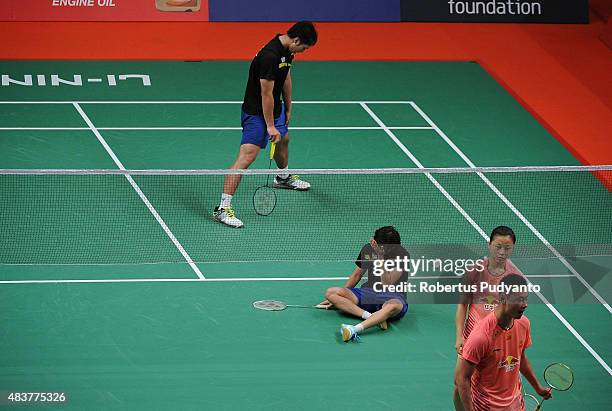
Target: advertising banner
[[511, 11], [294, 10], [507, 11], [104, 10]]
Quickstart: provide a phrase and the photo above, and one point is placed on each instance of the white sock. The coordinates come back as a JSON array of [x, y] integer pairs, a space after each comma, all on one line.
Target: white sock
[[284, 176], [226, 200], [358, 328], [366, 315]]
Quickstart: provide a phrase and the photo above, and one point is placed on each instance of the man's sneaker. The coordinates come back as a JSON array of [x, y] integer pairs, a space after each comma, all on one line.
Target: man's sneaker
[[348, 333], [226, 216], [292, 182]]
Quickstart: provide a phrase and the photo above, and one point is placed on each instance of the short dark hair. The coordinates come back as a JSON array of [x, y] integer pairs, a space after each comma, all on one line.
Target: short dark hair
[[503, 231], [511, 280], [305, 31], [387, 235]]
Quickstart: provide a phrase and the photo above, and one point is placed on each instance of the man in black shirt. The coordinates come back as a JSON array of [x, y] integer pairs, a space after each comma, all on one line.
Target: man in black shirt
[[372, 302], [265, 116]]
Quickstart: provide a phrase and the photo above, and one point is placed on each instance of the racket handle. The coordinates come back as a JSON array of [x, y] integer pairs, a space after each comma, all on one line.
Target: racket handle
[[318, 306], [272, 150]]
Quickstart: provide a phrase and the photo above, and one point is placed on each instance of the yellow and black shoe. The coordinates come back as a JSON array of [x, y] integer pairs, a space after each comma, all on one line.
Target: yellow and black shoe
[[226, 216], [293, 182]]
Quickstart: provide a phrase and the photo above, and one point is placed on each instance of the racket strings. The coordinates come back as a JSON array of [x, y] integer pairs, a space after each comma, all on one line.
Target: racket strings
[[531, 403], [559, 376], [270, 305], [264, 198]]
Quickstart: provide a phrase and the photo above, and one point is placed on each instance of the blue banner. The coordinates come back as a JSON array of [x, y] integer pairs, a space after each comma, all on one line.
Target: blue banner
[[314, 10]]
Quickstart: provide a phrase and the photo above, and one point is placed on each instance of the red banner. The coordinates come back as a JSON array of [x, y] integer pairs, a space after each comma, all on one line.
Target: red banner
[[104, 10]]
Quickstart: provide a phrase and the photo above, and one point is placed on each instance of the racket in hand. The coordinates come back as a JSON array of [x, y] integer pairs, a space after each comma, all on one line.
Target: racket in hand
[[531, 403], [558, 376], [264, 198]]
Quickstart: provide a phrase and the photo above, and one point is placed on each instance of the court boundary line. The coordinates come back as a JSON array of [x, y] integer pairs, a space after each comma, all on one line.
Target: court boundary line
[[249, 171], [204, 128], [197, 102], [239, 279], [142, 196], [569, 327], [176, 280], [512, 207], [266, 261]]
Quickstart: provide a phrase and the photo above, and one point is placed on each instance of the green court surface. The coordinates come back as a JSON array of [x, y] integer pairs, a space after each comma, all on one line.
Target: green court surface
[[97, 301]]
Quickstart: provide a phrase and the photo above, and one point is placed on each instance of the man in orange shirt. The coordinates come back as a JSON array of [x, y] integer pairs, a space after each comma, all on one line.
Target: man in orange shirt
[[478, 305], [487, 374]]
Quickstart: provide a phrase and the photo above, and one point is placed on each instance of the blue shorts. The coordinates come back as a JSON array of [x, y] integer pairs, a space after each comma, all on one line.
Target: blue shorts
[[372, 301], [254, 130]]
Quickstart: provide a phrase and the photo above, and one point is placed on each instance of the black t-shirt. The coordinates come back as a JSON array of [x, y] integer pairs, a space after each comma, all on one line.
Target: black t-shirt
[[271, 63], [366, 258]]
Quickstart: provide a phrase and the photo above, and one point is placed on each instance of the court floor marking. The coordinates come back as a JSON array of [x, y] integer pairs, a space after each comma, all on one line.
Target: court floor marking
[[386, 129], [174, 280], [142, 196], [196, 102], [570, 328], [203, 128], [238, 279], [516, 212]]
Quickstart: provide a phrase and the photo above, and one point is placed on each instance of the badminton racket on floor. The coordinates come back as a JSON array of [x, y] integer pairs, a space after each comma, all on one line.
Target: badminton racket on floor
[[264, 198], [275, 305]]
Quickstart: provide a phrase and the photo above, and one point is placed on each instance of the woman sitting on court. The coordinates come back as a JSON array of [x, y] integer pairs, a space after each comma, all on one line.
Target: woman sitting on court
[[372, 302]]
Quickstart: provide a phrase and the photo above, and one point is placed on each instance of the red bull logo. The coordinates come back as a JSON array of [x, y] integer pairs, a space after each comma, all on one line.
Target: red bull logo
[[509, 363], [488, 302]]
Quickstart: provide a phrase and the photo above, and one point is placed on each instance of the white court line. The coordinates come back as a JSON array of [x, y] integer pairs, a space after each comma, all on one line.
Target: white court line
[[142, 196], [486, 238], [204, 128], [199, 102], [309, 171], [243, 279], [43, 128], [428, 175], [175, 280], [516, 212]]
